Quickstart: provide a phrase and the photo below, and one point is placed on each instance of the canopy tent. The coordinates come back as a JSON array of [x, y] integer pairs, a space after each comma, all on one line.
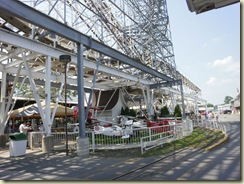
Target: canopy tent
[[31, 111]]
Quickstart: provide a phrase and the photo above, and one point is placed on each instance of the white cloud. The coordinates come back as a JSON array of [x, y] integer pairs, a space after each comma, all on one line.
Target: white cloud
[[213, 81], [227, 64], [222, 62]]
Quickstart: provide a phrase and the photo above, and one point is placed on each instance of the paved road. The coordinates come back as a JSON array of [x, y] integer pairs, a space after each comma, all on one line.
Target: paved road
[[222, 163]]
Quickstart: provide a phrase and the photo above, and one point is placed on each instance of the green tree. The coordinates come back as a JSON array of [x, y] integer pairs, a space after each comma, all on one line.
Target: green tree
[[127, 111], [122, 111], [210, 105], [132, 112], [228, 99], [27, 92], [164, 111], [177, 111]]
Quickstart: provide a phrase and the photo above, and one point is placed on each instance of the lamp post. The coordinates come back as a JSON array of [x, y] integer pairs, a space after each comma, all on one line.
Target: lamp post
[[65, 59]]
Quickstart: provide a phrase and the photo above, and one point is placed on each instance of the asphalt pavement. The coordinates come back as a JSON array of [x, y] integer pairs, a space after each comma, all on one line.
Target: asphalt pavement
[[56, 166]]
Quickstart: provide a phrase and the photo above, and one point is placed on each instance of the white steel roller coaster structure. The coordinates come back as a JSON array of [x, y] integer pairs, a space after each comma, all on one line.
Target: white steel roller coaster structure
[[124, 43]]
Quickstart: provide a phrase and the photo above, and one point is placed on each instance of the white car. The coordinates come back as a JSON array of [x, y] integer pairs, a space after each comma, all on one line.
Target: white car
[[125, 131]]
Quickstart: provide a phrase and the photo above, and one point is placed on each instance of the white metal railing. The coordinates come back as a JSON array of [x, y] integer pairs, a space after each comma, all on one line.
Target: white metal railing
[[173, 132], [130, 139], [211, 123], [144, 138], [121, 140], [59, 140], [149, 142]]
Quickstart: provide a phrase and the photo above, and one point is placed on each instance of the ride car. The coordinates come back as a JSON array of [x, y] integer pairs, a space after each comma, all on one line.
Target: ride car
[[227, 111]]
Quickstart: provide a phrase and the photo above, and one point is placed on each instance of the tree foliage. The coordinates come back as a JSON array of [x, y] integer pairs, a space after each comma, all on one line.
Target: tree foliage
[[128, 112], [164, 111], [177, 111], [228, 99], [26, 91], [210, 105]]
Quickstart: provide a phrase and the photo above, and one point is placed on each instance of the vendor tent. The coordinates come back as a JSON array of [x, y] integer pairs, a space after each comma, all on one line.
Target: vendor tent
[[31, 111]]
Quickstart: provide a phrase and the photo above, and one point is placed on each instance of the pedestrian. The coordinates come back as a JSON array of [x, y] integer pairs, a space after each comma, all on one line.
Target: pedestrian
[[41, 127], [206, 116], [212, 115], [217, 117], [29, 125], [23, 128]]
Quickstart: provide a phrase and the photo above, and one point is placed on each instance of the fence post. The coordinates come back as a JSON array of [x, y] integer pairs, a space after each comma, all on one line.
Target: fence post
[[150, 134], [93, 141], [141, 146]]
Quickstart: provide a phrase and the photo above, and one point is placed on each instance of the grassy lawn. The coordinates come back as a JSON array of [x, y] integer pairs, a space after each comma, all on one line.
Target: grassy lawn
[[199, 137]]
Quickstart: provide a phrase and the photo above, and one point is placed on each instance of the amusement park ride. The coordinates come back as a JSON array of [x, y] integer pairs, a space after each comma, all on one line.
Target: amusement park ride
[[113, 44]]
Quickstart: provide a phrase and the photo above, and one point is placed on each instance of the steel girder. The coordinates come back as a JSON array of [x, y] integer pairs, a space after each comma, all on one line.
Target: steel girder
[[40, 48], [23, 11]]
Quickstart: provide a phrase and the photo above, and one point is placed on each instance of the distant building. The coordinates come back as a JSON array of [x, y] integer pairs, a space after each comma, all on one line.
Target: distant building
[[205, 109], [223, 107], [235, 103]]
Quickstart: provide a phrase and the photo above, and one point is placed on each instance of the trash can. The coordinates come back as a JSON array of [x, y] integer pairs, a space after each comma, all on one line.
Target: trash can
[[17, 144]]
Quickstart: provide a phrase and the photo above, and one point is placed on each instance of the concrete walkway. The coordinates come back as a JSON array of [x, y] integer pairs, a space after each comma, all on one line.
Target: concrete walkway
[[36, 165]]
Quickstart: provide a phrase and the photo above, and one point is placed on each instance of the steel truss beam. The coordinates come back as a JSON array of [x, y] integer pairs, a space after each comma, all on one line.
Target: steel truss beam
[[166, 84], [32, 45], [23, 11]]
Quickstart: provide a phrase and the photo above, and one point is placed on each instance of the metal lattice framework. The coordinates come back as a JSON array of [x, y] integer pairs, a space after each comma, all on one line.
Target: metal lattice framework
[[113, 44], [137, 28]]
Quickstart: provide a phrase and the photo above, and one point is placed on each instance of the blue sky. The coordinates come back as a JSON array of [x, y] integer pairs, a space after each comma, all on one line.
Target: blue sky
[[207, 48]]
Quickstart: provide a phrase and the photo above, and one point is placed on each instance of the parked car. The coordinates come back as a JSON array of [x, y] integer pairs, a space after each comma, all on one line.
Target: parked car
[[227, 112]]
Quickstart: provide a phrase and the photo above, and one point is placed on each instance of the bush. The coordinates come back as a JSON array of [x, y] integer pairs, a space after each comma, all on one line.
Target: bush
[[132, 112], [128, 112], [177, 111], [164, 111]]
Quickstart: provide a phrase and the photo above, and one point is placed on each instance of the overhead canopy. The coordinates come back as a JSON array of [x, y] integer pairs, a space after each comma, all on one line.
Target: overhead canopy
[[31, 111]]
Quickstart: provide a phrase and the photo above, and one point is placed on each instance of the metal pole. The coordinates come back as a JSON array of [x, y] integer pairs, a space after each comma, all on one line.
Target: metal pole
[[81, 94], [183, 103], [65, 59], [65, 102]]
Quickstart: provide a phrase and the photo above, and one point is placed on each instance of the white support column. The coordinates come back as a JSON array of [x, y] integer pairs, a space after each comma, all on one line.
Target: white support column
[[196, 105], [145, 98], [2, 109], [58, 97], [2, 101], [150, 104], [48, 96], [98, 101], [10, 97], [35, 91], [173, 103]]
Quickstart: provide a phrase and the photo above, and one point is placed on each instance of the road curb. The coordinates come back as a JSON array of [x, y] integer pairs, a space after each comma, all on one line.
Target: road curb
[[225, 139]]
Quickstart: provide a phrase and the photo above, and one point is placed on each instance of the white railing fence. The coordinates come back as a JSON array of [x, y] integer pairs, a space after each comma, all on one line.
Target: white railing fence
[[211, 123], [174, 131], [144, 138]]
